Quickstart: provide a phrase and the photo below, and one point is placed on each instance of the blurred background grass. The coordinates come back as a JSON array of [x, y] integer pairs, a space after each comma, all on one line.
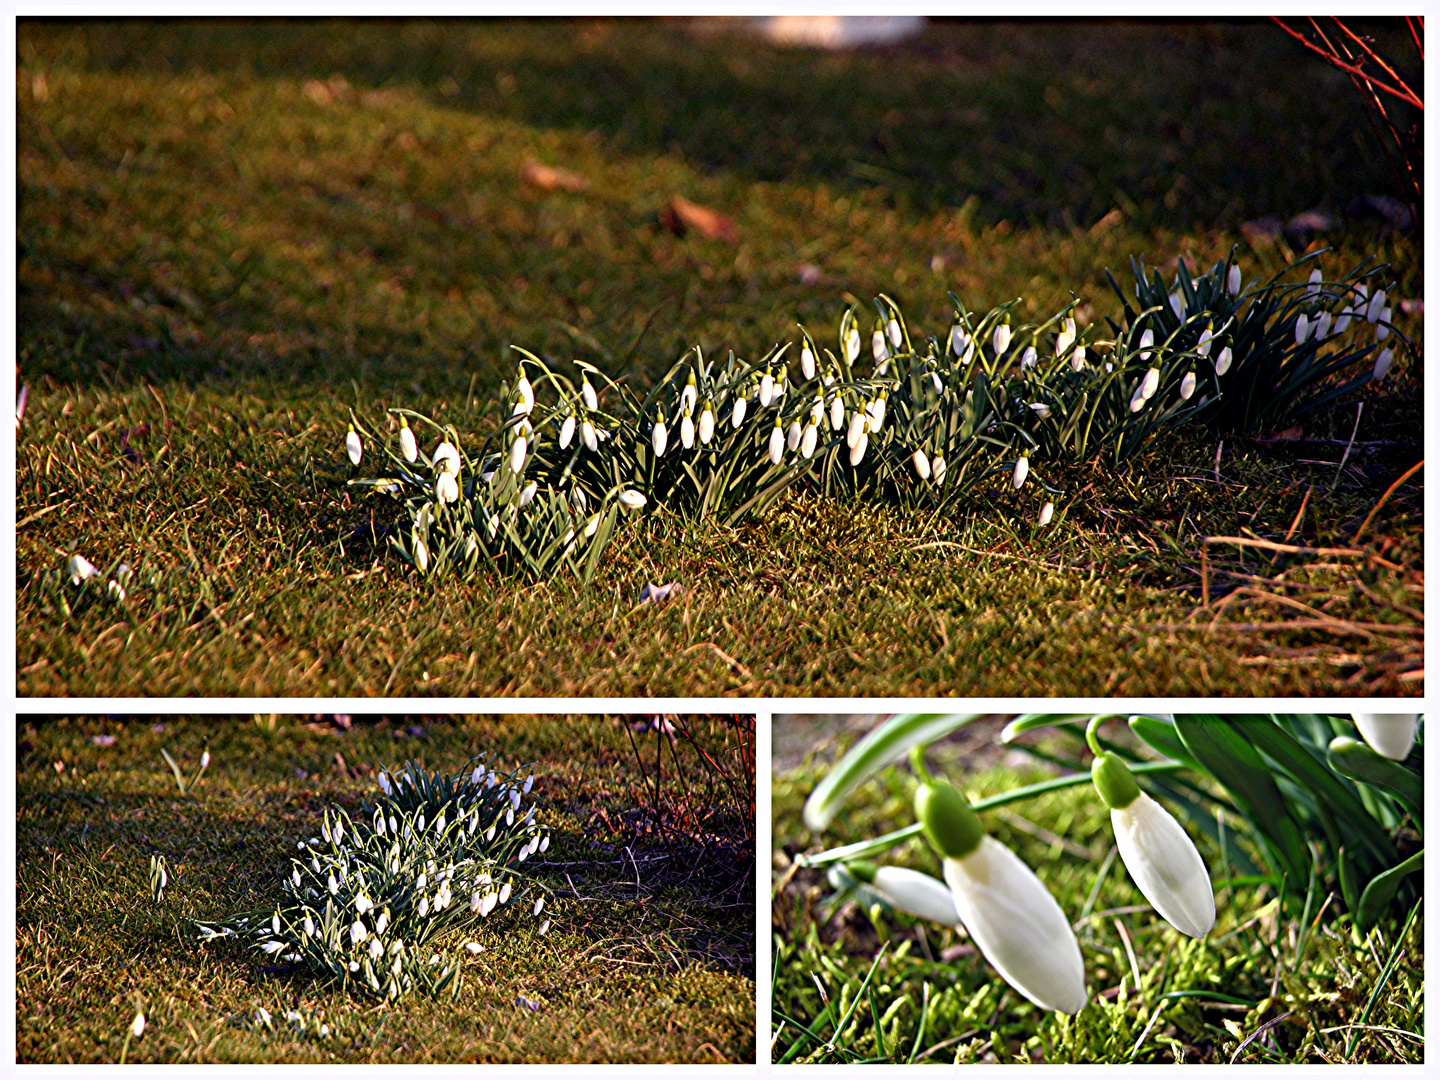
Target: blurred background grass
[[232, 231]]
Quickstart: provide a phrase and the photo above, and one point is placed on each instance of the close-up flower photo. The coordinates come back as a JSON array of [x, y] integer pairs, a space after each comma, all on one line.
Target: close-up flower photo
[[331, 888], [1108, 888]]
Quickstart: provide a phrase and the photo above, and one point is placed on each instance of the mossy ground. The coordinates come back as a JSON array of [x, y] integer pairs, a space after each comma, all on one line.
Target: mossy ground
[[650, 956], [1261, 978], [232, 232]]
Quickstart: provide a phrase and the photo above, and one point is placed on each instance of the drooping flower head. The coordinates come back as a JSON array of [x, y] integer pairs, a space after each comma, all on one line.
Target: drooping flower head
[[1008, 912], [1160, 856]]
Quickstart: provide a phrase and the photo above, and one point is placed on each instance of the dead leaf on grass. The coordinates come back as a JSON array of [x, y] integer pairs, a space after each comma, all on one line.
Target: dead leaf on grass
[[550, 178], [682, 215]]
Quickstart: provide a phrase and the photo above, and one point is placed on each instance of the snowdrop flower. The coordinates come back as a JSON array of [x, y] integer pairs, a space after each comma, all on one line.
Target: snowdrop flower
[[408, 446], [530, 780], [1008, 912], [857, 427], [707, 424], [363, 904], [447, 488], [309, 926], [857, 452], [510, 817], [382, 922], [424, 907], [1028, 359], [1302, 329], [792, 436], [1383, 363], [921, 463], [1147, 339], [81, 569], [474, 946], [315, 864], [1066, 337], [275, 923], [354, 966], [545, 842], [807, 363], [517, 453], [544, 927], [446, 458], [690, 395], [1382, 328], [1022, 470], [567, 430], [587, 394], [487, 905], [1315, 278], [539, 904], [1077, 358], [505, 892], [1150, 383], [893, 328], [808, 440], [1156, 850], [837, 414], [384, 782], [632, 499], [587, 435], [909, 891], [352, 445], [421, 882], [767, 389], [687, 431], [262, 1015], [1177, 305], [1342, 322], [137, 1026], [1042, 411], [1322, 326], [1187, 386], [1390, 735], [1377, 305], [1137, 401], [514, 799], [958, 340], [876, 409], [1203, 348], [937, 469], [272, 947], [877, 346], [852, 344], [1001, 340], [376, 948], [1046, 513], [526, 394], [658, 437], [737, 414], [527, 493], [1233, 281], [777, 443], [295, 877], [1222, 362]]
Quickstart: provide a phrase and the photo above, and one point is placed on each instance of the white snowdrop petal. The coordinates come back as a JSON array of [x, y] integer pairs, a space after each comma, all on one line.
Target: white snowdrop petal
[[1165, 865]]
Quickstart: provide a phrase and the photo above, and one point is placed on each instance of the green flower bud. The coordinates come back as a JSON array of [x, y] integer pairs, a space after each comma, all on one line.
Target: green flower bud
[[947, 820], [1114, 782]]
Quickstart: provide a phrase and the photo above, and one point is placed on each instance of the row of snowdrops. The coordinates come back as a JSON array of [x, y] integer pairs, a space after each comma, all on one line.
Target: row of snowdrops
[[372, 902], [930, 421], [1009, 914]]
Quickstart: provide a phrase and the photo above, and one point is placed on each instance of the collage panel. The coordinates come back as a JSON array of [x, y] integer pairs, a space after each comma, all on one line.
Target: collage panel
[[692, 357], [403, 889], [1103, 889]]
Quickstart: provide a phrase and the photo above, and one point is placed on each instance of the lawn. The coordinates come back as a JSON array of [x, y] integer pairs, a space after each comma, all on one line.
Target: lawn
[[650, 955], [231, 233], [1270, 983]]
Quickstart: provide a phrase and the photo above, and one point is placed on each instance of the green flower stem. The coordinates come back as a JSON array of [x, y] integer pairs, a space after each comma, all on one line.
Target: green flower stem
[[865, 848]]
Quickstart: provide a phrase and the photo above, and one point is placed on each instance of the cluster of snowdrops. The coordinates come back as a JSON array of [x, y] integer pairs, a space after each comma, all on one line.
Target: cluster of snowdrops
[[1009, 914], [372, 901], [931, 419]]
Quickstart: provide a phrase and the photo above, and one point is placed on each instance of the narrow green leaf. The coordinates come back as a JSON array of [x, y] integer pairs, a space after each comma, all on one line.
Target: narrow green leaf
[[1382, 890]]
